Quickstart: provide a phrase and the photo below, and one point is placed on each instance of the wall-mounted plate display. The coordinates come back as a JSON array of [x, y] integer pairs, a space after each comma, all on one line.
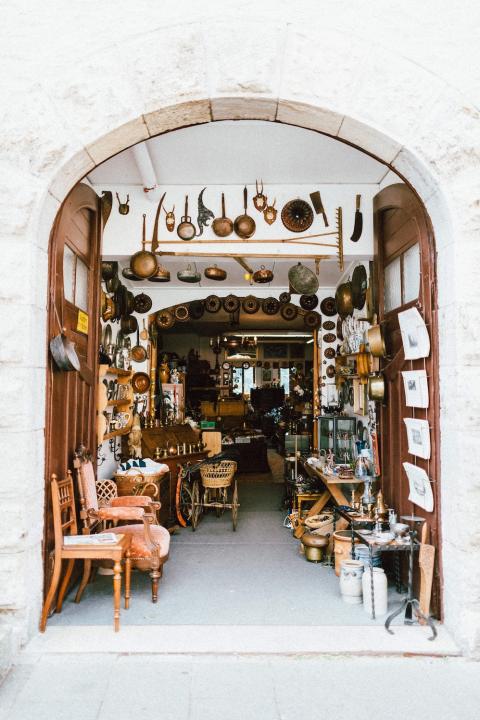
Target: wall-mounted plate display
[[418, 432], [420, 489], [329, 337], [416, 388], [416, 341], [329, 353], [328, 307], [328, 325], [226, 365]]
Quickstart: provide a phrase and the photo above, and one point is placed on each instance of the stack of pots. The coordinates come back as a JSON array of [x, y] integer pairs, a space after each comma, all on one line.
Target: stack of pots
[[351, 581]]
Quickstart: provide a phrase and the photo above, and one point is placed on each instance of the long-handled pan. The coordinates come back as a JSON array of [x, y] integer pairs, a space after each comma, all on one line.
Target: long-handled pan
[[139, 353], [222, 226], [244, 225], [186, 229]]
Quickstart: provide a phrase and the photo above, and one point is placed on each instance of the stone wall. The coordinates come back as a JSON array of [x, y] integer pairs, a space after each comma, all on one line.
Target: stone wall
[[83, 80]]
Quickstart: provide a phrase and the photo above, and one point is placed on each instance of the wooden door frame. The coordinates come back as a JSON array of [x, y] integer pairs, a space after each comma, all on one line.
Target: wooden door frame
[[387, 199]]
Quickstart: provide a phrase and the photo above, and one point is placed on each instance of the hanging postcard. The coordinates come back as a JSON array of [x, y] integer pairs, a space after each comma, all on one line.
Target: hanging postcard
[[416, 388], [420, 488], [418, 432], [416, 342]]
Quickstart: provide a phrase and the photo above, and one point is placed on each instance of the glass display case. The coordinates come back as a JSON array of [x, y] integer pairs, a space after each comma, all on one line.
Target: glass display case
[[338, 433]]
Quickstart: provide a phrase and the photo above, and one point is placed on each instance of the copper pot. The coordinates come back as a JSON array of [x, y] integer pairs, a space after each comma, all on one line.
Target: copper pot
[[376, 387], [215, 273], [143, 263], [376, 342], [162, 275], [263, 275]]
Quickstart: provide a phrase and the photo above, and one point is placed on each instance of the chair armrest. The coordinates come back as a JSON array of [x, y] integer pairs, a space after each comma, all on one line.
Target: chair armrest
[[119, 513], [135, 501]]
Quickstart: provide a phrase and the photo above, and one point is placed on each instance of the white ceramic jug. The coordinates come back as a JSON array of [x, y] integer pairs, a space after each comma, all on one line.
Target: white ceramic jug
[[380, 592], [351, 581]]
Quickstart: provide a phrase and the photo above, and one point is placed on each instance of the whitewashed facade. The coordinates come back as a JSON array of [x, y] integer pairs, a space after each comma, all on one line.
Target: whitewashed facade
[[83, 80]]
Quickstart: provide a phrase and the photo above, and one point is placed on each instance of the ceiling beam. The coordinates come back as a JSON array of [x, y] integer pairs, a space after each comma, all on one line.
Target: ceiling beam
[[145, 167]]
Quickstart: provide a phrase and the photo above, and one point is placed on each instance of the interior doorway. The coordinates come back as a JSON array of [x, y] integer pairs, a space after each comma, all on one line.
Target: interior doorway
[[277, 250]]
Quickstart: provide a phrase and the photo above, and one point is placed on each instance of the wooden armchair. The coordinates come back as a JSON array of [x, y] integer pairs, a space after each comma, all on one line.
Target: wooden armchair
[[150, 542]]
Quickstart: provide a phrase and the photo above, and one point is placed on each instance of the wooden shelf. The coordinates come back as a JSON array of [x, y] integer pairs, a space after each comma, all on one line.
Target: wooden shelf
[[108, 370], [126, 401]]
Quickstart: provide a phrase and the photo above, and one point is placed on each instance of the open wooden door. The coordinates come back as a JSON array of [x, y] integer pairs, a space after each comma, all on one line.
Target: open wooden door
[[405, 274], [73, 304]]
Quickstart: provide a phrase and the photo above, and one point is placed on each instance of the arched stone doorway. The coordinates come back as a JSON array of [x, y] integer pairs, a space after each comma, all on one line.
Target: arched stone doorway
[[425, 154]]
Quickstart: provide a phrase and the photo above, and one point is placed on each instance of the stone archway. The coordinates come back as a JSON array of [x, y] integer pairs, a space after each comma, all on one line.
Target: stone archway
[[310, 80]]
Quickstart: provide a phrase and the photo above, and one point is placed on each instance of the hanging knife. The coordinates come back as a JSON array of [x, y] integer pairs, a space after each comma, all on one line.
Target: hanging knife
[[358, 224], [318, 205]]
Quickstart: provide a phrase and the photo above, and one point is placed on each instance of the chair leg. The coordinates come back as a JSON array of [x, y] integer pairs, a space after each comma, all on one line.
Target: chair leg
[[64, 585], [57, 566], [117, 591], [155, 575], [87, 566], [128, 575]]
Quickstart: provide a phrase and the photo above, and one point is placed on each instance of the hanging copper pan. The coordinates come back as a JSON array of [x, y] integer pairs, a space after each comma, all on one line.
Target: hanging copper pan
[[344, 300], [186, 229], [359, 287], [263, 275], [143, 303], [128, 274], [244, 225], [302, 279], [143, 263], [215, 273], [140, 383], [222, 226], [161, 276]]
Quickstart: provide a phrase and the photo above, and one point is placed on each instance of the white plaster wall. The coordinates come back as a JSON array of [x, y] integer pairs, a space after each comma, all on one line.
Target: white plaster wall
[[82, 80]]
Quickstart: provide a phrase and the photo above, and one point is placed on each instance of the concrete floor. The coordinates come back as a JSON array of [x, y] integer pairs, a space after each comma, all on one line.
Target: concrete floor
[[253, 576], [122, 686]]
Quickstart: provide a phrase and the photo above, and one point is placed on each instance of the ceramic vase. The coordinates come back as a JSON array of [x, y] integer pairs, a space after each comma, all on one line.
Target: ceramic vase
[[379, 590], [164, 373], [351, 581]]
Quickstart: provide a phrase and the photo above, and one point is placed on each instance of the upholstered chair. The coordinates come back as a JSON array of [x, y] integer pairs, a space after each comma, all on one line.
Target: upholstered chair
[[150, 542]]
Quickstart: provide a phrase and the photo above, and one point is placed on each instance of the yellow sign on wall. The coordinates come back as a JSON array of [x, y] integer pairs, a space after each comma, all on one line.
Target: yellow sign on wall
[[82, 322]]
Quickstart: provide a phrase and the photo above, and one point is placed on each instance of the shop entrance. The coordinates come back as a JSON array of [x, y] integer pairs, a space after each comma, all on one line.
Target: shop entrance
[[338, 384]]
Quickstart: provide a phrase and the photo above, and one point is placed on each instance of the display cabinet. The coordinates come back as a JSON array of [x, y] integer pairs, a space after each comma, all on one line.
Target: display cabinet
[[338, 433]]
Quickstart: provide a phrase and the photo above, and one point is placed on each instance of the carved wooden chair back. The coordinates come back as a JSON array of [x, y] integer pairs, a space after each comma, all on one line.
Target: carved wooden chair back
[[63, 506], [87, 491]]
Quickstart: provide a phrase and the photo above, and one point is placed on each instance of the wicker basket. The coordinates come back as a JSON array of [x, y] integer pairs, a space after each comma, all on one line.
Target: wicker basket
[[138, 484], [218, 475]]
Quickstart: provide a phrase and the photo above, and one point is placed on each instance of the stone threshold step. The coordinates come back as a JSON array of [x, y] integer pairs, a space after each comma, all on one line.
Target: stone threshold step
[[243, 639]]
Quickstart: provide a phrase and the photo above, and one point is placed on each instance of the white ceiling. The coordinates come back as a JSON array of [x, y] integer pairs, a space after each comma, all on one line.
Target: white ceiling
[[237, 152]]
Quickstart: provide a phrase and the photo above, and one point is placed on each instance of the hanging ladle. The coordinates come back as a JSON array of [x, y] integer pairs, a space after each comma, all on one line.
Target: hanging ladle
[[222, 226]]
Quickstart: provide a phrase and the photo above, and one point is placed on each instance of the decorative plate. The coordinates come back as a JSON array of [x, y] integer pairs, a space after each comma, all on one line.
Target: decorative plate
[[165, 319], [329, 353], [226, 365], [213, 304], [140, 382], [330, 371], [270, 306], [250, 305], [329, 337], [308, 302], [328, 325], [289, 311], [297, 215], [328, 306], [312, 320]]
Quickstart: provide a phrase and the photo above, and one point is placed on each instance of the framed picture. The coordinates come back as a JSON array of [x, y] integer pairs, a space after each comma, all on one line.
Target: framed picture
[[415, 338], [267, 376], [297, 351], [420, 489], [416, 388], [418, 433], [275, 350]]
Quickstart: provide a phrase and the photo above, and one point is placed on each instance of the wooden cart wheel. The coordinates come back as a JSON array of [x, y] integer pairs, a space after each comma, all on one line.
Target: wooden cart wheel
[[235, 505], [186, 502], [195, 505]]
